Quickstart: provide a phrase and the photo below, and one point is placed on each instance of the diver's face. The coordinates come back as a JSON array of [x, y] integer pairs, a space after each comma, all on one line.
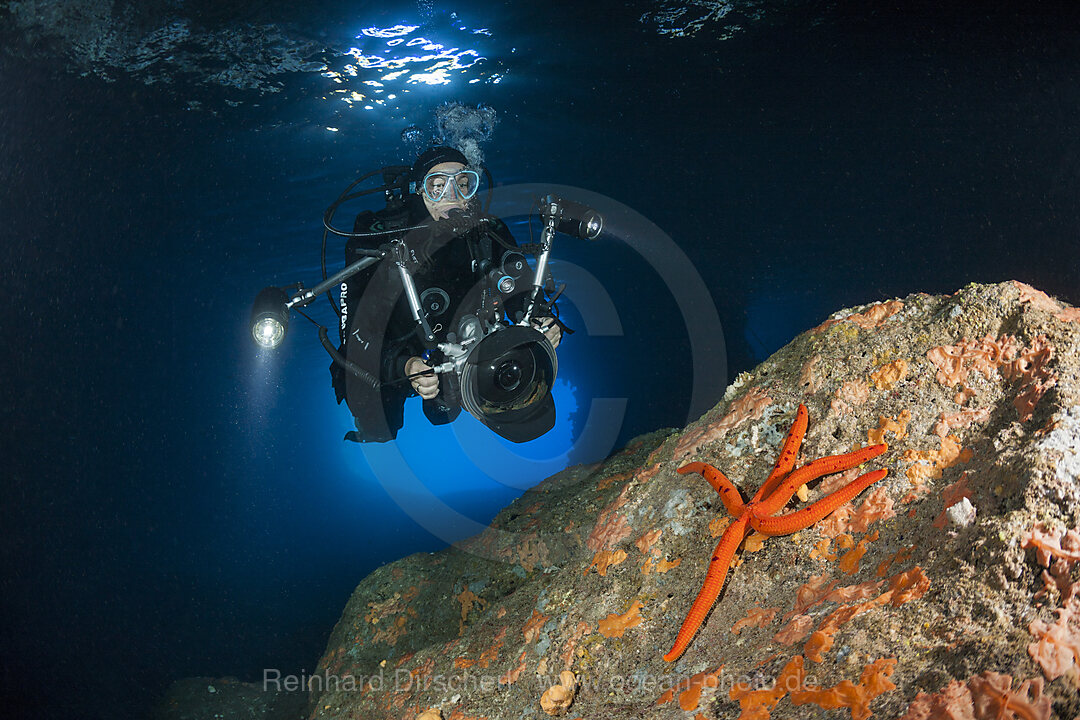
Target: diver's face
[[451, 195]]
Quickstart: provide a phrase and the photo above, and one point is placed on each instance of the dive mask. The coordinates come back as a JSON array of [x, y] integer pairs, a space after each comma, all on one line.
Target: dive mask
[[464, 184]]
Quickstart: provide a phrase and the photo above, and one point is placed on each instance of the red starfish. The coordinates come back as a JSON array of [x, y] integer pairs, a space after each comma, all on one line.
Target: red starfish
[[770, 499]]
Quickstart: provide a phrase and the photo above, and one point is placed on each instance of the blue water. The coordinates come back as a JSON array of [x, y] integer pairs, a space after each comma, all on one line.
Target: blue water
[[174, 504]]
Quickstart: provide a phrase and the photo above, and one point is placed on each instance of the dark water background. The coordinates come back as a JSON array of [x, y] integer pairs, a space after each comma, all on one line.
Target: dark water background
[[173, 506]]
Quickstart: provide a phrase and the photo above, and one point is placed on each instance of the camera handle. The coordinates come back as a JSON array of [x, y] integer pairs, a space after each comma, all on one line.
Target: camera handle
[[445, 406], [400, 254]]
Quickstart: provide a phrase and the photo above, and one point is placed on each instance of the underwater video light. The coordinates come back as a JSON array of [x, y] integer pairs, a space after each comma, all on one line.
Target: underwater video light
[[573, 218], [270, 317], [588, 225]]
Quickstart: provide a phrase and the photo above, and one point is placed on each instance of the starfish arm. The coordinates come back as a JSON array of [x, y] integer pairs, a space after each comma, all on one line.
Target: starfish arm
[[784, 524], [786, 461], [729, 494], [822, 466], [714, 581]]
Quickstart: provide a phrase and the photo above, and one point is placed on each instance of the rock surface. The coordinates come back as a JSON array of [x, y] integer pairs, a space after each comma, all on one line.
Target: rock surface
[[893, 595]]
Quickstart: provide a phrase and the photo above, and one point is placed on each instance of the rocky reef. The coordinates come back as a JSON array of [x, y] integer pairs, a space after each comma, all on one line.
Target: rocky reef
[[949, 589]]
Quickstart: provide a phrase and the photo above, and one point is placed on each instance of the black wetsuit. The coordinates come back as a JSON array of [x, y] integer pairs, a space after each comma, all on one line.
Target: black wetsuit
[[378, 332]]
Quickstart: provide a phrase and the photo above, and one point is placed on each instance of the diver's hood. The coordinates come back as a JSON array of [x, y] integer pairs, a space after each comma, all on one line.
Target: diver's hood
[[506, 383]]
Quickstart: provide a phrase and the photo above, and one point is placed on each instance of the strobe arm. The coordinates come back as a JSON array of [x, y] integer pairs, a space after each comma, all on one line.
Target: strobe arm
[[570, 218], [304, 297], [551, 213]]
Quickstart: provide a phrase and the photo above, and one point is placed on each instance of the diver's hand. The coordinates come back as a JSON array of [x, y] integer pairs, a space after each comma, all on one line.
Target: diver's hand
[[427, 386], [550, 328]]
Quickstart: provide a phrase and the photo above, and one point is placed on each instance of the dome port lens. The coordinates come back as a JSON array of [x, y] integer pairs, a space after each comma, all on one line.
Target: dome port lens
[[508, 376], [506, 383], [508, 379]]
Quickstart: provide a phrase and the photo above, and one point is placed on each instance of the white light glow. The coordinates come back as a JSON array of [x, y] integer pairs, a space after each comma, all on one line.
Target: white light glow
[[390, 32]]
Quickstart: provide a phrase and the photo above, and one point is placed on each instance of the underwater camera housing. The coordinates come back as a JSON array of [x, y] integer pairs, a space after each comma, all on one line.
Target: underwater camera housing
[[501, 373], [502, 377]]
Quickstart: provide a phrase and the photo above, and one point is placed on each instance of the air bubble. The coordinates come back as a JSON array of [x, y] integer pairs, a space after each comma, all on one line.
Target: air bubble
[[412, 135], [466, 127]]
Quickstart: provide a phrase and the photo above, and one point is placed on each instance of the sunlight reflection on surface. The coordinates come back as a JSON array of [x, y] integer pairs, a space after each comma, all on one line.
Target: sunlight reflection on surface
[[388, 62]]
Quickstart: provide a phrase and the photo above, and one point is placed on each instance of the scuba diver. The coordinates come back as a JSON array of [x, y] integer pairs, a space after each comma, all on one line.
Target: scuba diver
[[465, 272], [437, 299]]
